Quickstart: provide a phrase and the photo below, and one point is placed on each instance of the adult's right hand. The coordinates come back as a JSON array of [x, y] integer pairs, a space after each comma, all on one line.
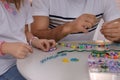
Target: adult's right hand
[[18, 50], [82, 23]]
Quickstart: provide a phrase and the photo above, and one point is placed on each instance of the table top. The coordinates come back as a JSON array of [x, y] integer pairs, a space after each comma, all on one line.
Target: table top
[[53, 66]]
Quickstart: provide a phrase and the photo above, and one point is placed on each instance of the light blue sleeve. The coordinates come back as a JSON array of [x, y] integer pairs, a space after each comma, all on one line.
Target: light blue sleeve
[[40, 7], [111, 10]]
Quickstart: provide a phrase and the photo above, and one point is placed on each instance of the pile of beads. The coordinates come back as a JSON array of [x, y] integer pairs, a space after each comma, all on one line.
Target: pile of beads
[[102, 65], [105, 54], [104, 61]]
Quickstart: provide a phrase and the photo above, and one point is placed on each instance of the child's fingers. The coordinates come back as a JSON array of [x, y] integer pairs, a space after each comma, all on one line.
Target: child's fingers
[[52, 43], [29, 48], [45, 46], [42, 48]]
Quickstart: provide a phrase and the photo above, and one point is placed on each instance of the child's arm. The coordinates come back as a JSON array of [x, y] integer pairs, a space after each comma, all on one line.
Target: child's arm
[[42, 44]]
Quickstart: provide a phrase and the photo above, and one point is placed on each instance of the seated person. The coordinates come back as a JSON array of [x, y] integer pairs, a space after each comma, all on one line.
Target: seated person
[[14, 34], [73, 19]]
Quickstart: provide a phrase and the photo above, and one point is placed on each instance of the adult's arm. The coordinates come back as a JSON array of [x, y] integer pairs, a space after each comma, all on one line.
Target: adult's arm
[[40, 27]]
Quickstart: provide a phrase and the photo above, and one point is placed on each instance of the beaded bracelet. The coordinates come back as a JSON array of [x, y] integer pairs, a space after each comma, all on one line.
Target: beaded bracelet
[[30, 41], [1, 43]]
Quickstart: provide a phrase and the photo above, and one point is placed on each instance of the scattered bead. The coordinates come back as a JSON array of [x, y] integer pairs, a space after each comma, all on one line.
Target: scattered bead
[[65, 60], [74, 59]]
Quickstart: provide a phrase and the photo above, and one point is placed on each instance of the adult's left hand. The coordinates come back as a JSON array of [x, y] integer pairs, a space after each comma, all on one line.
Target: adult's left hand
[[111, 30]]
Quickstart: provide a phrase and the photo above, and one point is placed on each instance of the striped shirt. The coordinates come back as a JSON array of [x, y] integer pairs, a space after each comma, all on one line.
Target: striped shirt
[[62, 11]]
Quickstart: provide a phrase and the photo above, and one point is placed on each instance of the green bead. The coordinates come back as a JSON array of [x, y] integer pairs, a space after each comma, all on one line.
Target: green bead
[[81, 46]]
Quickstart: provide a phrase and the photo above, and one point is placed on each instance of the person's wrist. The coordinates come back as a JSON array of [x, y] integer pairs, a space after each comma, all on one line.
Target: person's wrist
[[1, 48], [67, 28], [33, 40]]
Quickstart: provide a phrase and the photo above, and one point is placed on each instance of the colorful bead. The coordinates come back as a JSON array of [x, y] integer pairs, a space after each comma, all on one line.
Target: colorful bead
[[65, 60], [74, 59], [52, 49], [73, 47], [81, 46], [68, 45], [62, 44]]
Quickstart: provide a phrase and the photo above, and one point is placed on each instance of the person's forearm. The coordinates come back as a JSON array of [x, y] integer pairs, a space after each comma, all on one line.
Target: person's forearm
[[56, 33]]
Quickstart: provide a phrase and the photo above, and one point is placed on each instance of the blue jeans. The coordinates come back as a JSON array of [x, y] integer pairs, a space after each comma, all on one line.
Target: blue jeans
[[12, 74]]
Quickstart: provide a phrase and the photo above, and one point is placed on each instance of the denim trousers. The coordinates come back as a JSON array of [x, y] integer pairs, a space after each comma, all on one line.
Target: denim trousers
[[12, 74]]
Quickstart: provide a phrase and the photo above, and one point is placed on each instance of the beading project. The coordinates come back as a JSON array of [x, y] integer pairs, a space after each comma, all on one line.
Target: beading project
[[104, 56]]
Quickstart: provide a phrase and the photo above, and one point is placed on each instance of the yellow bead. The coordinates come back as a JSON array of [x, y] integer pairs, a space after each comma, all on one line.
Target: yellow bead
[[74, 47], [62, 44], [65, 60], [119, 54], [98, 55]]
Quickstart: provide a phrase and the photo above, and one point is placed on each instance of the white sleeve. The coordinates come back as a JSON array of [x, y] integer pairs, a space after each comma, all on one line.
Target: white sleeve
[[29, 18], [0, 11], [111, 10], [40, 7], [1, 14]]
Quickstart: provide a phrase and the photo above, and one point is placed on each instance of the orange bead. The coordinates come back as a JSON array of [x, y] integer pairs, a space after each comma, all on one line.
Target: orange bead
[[115, 57]]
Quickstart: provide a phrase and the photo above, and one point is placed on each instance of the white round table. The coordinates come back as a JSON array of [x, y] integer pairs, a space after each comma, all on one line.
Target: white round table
[[32, 69], [53, 67]]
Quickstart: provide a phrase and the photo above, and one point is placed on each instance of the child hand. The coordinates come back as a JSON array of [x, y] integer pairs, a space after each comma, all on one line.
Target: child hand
[[43, 44], [18, 49]]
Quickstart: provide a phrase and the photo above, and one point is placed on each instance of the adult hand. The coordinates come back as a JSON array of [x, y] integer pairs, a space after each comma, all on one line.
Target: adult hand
[[82, 23], [17, 49], [111, 30]]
